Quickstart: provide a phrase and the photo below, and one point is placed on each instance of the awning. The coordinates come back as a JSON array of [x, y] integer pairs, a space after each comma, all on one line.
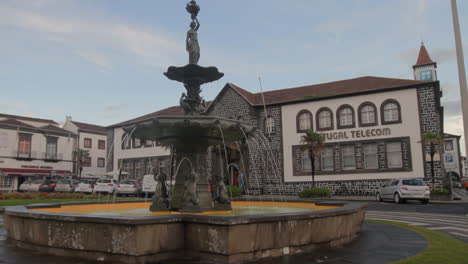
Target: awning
[[33, 171]]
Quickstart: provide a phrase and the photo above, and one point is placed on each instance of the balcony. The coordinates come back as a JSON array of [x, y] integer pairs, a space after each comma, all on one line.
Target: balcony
[[33, 155], [51, 156], [27, 156]]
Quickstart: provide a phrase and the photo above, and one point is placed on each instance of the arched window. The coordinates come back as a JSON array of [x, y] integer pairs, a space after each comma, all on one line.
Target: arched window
[[270, 125], [345, 116], [367, 114], [324, 119], [391, 112], [304, 121]]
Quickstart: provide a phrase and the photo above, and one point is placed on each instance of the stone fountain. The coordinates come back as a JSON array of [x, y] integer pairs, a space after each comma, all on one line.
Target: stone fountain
[[191, 135], [189, 224]]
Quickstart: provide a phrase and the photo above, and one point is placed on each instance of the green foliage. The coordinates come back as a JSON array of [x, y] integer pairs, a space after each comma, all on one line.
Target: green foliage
[[314, 193], [432, 138], [441, 248], [440, 192], [313, 140], [236, 191]]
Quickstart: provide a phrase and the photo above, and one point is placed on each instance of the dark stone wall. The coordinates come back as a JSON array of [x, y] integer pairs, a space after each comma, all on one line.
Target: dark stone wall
[[431, 115]]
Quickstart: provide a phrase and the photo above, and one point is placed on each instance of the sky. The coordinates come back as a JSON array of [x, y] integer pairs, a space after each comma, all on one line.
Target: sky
[[101, 61]]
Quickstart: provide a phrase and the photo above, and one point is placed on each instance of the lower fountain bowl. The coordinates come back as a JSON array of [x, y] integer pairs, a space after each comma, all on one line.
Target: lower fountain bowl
[[219, 238]]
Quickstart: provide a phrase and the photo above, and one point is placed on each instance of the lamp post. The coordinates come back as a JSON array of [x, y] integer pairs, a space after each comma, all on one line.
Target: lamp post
[[461, 72]]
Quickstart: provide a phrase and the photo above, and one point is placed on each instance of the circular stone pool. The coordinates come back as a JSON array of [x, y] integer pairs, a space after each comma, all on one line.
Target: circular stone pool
[[141, 209], [127, 232]]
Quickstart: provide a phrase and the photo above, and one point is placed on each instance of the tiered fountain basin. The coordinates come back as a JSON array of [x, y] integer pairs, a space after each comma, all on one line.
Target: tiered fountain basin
[[127, 232]]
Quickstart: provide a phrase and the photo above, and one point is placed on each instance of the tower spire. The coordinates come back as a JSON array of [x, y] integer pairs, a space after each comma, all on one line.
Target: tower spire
[[425, 67]]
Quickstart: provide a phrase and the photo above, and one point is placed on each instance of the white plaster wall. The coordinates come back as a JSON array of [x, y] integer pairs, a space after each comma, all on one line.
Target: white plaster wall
[[409, 127], [9, 150], [143, 152], [94, 154]]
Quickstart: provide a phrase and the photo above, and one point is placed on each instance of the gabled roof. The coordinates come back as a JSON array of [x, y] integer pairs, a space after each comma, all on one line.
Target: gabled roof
[[423, 57], [56, 129], [90, 128], [24, 118], [447, 135], [170, 111], [325, 90], [16, 123]]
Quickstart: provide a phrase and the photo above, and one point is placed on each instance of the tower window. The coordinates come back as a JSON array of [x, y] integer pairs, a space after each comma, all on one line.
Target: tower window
[[425, 75]]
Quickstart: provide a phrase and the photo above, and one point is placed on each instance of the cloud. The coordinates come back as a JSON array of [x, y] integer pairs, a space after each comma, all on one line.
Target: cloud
[[96, 58], [113, 108], [155, 47]]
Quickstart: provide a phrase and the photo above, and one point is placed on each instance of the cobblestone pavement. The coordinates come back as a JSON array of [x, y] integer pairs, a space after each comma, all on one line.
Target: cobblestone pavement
[[453, 225]]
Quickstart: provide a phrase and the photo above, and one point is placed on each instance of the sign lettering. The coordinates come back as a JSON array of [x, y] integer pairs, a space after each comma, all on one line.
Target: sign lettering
[[364, 133]]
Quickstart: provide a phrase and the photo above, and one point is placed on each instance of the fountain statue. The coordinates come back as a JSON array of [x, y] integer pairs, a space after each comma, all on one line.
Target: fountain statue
[[192, 134]]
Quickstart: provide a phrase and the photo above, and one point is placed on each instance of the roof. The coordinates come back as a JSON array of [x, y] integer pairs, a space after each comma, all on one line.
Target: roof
[[423, 57], [16, 123], [56, 129], [29, 119], [324, 90], [90, 128], [447, 135], [170, 111]]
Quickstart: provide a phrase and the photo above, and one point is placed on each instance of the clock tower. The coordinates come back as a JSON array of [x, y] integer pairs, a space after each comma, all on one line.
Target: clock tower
[[425, 68]]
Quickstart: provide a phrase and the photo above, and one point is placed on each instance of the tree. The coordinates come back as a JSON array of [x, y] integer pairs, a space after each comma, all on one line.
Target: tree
[[79, 156], [432, 139], [314, 144]]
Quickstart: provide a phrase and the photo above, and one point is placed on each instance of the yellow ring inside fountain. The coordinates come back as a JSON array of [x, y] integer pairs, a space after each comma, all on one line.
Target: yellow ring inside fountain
[[141, 209]]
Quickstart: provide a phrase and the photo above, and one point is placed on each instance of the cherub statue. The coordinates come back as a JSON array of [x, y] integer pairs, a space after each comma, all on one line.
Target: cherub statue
[[160, 198], [190, 192]]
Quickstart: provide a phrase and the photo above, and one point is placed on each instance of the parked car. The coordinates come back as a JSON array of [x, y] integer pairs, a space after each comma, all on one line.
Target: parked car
[[149, 184], [25, 186], [129, 187], [85, 186], [404, 189], [105, 186], [34, 186], [66, 185], [47, 186]]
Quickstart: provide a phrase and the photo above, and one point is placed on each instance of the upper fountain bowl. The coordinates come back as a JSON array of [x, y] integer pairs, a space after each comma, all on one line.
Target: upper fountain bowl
[[193, 72], [190, 130]]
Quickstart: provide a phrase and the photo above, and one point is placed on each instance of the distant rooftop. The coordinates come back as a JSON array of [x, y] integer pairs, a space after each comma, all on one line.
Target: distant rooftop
[[85, 127], [32, 119]]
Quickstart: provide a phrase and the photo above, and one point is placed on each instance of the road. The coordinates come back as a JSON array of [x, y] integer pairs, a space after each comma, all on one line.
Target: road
[[451, 219]]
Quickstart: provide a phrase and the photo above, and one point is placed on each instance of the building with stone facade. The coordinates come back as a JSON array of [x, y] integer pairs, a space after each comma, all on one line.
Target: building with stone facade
[[33, 148], [372, 128], [92, 139]]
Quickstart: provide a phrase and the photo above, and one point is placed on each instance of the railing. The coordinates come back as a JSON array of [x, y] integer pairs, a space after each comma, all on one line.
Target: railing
[[52, 156], [36, 155], [30, 155]]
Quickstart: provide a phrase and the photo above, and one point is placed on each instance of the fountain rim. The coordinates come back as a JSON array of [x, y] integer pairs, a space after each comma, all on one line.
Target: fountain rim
[[27, 212]]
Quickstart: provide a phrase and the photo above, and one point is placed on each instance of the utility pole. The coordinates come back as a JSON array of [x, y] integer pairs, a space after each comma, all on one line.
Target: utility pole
[[461, 72]]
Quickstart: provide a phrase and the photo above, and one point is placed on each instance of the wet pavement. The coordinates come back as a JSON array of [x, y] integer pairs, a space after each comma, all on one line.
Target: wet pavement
[[378, 244]]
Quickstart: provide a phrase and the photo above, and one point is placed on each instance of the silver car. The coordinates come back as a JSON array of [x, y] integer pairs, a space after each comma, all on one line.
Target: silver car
[[404, 189], [129, 187]]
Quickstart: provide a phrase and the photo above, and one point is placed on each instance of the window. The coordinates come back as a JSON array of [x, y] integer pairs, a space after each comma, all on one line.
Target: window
[[24, 145], [270, 125], [349, 158], [6, 182], [345, 117], [327, 159], [86, 162], [304, 121], [425, 75], [51, 148], [136, 143], [88, 143], [448, 145], [101, 162], [367, 114], [306, 165], [101, 144], [394, 155], [391, 112], [324, 119], [370, 156]]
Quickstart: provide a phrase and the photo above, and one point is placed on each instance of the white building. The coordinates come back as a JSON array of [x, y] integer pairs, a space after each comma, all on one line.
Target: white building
[[33, 148], [452, 156], [131, 158], [93, 139]]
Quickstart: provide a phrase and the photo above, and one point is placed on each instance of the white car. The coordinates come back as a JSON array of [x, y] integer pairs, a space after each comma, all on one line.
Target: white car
[[34, 186], [105, 186], [66, 185], [25, 186], [129, 187], [85, 186], [405, 189]]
